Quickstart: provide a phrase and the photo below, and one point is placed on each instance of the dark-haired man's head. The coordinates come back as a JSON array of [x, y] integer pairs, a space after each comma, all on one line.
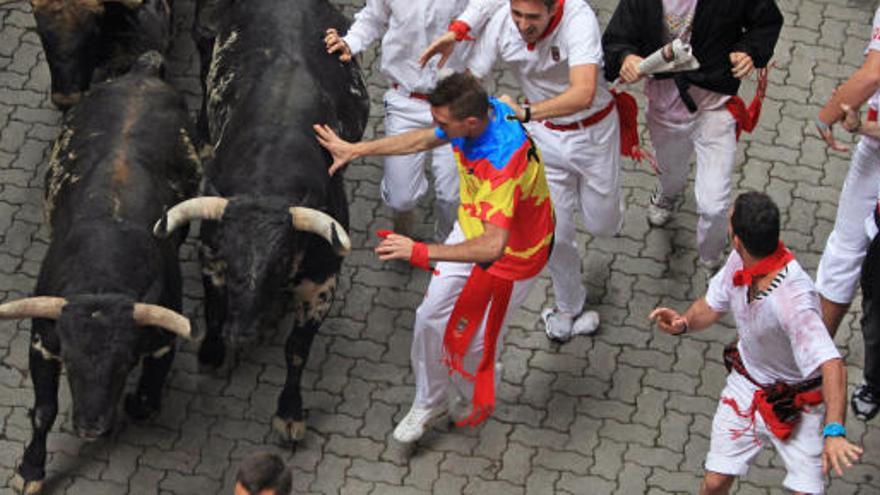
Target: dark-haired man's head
[[263, 473], [532, 17], [754, 224], [459, 105]]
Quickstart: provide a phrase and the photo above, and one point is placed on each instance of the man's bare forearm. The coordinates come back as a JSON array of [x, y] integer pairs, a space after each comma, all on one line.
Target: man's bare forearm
[[578, 97], [400, 144], [700, 316], [854, 92], [834, 390], [481, 249]]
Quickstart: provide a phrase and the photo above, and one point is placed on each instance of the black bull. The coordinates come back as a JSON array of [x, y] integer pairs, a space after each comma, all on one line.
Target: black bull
[[270, 80], [123, 157], [86, 40]]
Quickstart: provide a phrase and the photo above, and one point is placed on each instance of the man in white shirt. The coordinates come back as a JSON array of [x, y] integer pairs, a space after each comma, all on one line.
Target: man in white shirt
[[786, 376], [554, 49], [841, 261], [695, 111], [406, 28]]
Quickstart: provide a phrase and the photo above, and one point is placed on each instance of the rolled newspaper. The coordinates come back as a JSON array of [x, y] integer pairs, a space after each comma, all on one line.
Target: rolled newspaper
[[672, 57]]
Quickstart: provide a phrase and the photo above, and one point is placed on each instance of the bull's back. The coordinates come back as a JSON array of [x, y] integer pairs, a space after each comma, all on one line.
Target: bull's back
[[124, 154], [270, 81]]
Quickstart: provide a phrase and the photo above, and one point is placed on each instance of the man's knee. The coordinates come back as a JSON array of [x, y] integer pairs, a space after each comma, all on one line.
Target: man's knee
[[716, 483]]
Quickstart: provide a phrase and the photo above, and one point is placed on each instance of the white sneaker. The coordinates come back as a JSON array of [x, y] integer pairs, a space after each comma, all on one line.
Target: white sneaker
[[557, 324], [659, 210], [416, 422], [586, 323]]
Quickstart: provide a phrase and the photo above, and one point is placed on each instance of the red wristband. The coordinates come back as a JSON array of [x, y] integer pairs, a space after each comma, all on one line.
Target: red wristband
[[419, 256], [461, 30]]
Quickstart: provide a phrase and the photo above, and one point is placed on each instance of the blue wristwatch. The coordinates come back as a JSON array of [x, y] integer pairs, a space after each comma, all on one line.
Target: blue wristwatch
[[834, 430]]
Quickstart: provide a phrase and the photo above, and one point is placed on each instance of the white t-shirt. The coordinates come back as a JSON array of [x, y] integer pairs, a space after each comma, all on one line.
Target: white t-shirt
[[407, 27], [781, 336], [543, 72]]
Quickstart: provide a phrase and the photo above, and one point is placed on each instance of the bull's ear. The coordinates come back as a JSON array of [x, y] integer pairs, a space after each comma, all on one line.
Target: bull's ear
[[131, 4]]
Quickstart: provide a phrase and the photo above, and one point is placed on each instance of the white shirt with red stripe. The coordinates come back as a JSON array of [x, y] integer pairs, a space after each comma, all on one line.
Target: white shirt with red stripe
[[543, 71], [781, 335], [407, 27]]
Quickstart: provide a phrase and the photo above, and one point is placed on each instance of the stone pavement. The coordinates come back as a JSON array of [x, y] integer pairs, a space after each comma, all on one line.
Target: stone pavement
[[627, 411]]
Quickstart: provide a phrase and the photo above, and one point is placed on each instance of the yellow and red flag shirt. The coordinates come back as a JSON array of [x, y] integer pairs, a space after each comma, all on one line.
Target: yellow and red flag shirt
[[502, 182]]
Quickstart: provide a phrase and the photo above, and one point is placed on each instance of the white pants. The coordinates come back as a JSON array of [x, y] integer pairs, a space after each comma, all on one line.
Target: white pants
[[841, 262], [431, 375], [583, 173], [712, 134], [404, 181], [801, 453]]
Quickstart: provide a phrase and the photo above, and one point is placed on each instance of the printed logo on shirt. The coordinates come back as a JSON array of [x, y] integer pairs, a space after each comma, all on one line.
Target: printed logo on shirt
[[554, 52]]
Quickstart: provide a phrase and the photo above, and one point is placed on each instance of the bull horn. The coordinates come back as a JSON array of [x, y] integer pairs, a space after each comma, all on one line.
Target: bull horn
[[48, 307], [157, 316], [322, 224], [204, 208]]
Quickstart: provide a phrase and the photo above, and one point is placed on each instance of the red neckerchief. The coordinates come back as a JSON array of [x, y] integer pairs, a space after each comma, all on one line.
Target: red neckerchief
[[557, 17], [482, 291], [768, 264]]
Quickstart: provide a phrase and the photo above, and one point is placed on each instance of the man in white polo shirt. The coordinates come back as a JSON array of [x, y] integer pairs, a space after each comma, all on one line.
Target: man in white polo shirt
[[406, 28], [554, 49], [786, 377]]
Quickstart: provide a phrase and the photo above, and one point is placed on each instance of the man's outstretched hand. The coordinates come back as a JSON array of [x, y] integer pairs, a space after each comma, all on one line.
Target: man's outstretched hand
[[442, 46], [341, 150]]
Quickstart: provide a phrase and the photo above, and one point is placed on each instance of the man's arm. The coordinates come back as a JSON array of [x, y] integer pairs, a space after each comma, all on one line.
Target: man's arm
[[400, 144], [485, 248], [699, 316], [621, 38], [470, 23], [579, 96], [761, 32], [838, 452], [855, 91]]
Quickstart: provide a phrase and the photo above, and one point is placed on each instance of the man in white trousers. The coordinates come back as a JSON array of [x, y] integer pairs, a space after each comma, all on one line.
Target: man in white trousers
[[553, 48], [691, 111], [499, 244], [406, 27], [787, 382], [841, 262]]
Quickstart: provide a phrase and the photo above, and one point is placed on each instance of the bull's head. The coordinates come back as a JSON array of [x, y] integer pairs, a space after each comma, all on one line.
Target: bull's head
[[256, 244], [70, 31], [99, 344]]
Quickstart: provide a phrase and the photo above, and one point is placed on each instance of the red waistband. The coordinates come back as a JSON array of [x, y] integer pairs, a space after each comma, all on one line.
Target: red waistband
[[418, 96], [582, 124]]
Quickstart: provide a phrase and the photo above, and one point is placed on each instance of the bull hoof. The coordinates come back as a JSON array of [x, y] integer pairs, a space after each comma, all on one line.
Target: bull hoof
[[290, 430], [140, 407], [23, 487]]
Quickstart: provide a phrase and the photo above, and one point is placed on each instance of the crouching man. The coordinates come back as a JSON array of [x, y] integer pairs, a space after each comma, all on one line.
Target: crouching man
[[498, 246], [787, 382]]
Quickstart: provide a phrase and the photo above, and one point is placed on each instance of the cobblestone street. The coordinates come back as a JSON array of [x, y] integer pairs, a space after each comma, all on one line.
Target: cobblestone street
[[626, 411]]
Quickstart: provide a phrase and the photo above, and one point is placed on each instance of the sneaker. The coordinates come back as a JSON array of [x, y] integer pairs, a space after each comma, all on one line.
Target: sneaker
[[711, 267], [586, 323], [865, 402], [416, 423], [557, 324], [659, 210]]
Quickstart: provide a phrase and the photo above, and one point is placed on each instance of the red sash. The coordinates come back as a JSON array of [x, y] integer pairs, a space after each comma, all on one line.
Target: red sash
[[628, 114], [481, 292], [747, 118], [768, 264]]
